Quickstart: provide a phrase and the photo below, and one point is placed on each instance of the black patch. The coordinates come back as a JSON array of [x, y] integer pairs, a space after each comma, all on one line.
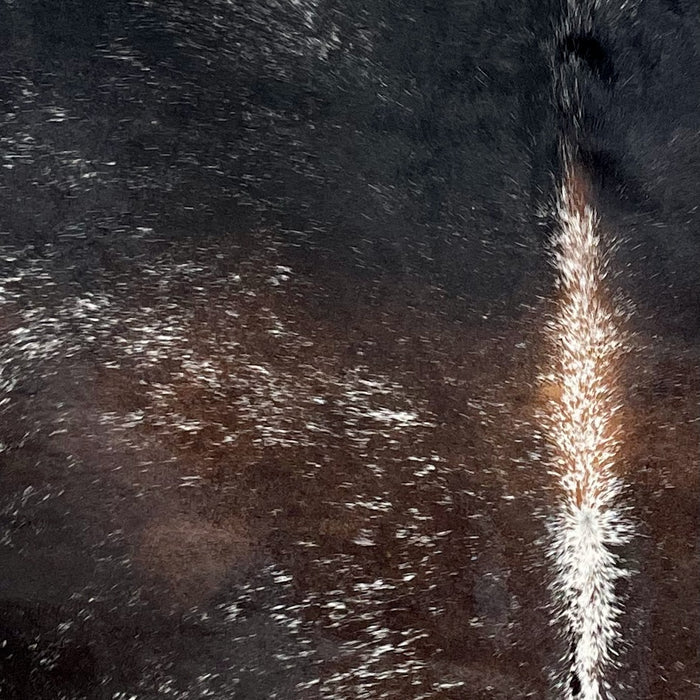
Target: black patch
[[574, 680], [589, 50], [574, 684], [612, 176], [675, 7]]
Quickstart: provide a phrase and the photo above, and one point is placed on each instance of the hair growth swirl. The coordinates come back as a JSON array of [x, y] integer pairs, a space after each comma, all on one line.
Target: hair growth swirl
[[581, 420]]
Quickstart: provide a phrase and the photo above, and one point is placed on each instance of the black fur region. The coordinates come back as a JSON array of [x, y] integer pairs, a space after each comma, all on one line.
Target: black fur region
[[590, 51]]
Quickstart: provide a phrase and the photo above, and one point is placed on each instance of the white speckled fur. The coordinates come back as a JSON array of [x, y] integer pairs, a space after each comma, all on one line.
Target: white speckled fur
[[581, 419]]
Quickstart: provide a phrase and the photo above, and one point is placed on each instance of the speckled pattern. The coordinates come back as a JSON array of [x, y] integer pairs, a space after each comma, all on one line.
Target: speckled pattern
[[273, 285]]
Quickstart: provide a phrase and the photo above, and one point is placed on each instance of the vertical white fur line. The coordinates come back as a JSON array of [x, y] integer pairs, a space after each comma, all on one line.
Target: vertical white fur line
[[581, 422]]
